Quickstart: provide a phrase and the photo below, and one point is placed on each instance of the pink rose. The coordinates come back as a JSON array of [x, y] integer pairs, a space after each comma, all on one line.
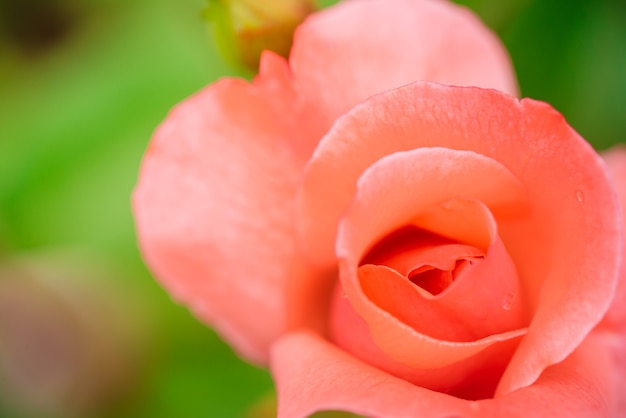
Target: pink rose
[[393, 247]]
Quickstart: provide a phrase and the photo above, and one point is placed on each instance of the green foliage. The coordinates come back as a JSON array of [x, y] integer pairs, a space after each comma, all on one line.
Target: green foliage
[[572, 55], [76, 120]]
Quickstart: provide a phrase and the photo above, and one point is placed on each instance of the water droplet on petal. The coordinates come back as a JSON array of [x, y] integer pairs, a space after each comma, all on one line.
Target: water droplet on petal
[[580, 196], [508, 300]]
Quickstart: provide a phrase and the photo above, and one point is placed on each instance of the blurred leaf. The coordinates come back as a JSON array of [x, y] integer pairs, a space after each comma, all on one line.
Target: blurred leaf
[[74, 126], [496, 14], [327, 3], [572, 55]]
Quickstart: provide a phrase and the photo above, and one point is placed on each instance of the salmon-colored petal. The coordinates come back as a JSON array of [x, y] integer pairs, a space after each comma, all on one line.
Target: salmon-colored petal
[[313, 375], [462, 220], [415, 116], [422, 178], [213, 209], [616, 317], [566, 182], [399, 42], [275, 82], [412, 250], [473, 378], [583, 385], [615, 320], [616, 343], [480, 294], [484, 299]]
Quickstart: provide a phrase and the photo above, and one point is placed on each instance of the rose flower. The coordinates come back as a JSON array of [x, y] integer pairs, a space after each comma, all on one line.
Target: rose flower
[[388, 245]]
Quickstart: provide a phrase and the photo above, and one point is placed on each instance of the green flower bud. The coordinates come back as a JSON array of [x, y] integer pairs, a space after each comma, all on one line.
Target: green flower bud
[[244, 28]]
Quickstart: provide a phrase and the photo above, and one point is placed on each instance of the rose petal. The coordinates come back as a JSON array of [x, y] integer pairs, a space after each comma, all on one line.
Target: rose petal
[[615, 320], [473, 378], [418, 115], [616, 377], [214, 210], [462, 220], [483, 300], [567, 185], [399, 42], [582, 385], [484, 297], [412, 249], [422, 178], [314, 375], [616, 316]]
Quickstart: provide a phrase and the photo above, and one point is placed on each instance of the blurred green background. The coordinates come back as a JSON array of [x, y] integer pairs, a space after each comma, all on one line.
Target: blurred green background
[[84, 329]]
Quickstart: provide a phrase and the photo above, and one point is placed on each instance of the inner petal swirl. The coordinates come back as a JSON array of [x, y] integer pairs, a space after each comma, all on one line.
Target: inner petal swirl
[[421, 216], [441, 286]]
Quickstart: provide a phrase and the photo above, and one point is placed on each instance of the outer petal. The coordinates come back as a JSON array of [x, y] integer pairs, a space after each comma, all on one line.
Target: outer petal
[[616, 162], [615, 321], [567, 185], [314, 375], [398, 42], [474, 378], [213, 209]]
